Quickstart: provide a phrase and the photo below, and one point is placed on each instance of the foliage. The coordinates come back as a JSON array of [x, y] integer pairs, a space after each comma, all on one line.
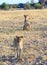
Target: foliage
[[4, 6], [27, 5], [37, 6], [14, 6], [42, 2]]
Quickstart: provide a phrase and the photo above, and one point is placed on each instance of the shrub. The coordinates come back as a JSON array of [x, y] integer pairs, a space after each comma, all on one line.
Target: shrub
[[27, 5], [4, 6], [14, 6], [37, 6]]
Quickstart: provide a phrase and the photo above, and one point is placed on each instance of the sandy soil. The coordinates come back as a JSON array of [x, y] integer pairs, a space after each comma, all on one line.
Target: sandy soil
[[35, 40]]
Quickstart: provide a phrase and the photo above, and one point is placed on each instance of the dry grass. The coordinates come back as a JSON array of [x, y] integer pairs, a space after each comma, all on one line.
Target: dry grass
[[35, 40]]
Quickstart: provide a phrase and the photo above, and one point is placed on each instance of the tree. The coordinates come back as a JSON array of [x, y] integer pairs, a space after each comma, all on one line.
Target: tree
[[4, 6], [32, 1], [37, 6], [27, 5], [42, 2], [14, 6]]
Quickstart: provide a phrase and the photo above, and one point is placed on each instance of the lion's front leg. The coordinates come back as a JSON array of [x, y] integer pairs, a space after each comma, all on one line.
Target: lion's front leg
[[20, 54]]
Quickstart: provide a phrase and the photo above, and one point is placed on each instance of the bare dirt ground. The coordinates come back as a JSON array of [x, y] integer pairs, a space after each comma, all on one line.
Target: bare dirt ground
[[35, 40]]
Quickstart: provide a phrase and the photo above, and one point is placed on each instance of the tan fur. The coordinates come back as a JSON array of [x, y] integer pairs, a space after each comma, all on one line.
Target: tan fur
[[27, 25], [18, 43]]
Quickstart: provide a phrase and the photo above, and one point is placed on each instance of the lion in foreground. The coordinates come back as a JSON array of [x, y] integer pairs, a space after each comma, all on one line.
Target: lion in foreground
[[18, 44]]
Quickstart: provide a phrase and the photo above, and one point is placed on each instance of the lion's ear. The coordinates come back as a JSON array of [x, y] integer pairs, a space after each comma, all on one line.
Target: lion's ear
[[25, 15], [21, 36]]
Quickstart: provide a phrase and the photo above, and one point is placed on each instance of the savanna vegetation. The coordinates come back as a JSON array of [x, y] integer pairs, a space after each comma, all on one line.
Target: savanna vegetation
[[26, 5], [35, 40]]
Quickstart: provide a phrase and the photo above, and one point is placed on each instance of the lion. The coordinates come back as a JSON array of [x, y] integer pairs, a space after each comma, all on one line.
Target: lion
[[18, 44], [27, 25]]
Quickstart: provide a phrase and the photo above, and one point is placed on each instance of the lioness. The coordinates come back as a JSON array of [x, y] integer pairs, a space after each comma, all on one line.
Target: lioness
[[26, 23], [18, 44]]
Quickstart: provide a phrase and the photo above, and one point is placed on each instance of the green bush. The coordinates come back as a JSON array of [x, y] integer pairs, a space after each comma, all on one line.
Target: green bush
[[37, 6], [14, 6], [27, 5], [4, 6]]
